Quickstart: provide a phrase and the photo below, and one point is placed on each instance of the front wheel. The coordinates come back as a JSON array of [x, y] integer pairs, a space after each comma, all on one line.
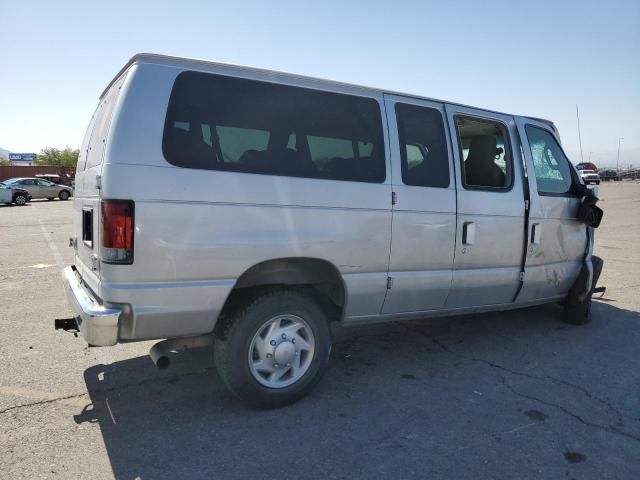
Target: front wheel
[[578, 311], [273, 350], [20, 199], [63, 195]]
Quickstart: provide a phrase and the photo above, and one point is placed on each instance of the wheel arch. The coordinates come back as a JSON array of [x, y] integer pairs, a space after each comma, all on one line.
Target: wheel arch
[[318, 274]]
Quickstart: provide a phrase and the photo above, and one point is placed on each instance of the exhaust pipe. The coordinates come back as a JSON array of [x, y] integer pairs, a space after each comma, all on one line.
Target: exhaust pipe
[[161, 351]]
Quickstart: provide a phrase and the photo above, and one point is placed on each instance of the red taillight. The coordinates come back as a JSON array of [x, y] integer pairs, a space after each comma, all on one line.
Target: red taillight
[[117, 231]]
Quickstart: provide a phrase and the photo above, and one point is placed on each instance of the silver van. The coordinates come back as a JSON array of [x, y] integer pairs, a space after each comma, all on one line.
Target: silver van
[[248, 210]]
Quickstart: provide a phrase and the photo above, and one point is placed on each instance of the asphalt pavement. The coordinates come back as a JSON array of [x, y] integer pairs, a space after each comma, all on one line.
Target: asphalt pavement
[[509, 395]]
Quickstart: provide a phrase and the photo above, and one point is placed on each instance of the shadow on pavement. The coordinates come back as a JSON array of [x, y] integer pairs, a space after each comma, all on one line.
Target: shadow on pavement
[[496, 393]]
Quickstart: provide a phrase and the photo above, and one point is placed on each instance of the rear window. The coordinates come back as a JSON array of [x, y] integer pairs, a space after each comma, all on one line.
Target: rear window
[[93, 145], [222, 123]]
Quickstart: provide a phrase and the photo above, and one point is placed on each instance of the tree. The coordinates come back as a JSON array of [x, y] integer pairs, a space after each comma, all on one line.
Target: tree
[[66, 157], [4, 162]]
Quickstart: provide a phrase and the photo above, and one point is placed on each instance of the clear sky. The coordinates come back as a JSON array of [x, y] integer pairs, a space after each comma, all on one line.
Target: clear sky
[[534, 58]]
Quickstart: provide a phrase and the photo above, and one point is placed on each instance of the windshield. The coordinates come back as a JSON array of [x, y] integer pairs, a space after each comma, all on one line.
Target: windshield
[[10, 180]]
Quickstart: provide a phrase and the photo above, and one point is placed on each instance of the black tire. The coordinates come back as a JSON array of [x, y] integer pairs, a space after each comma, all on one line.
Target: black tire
[[20, 199], [63, 195], [578, 312], [234, 335]]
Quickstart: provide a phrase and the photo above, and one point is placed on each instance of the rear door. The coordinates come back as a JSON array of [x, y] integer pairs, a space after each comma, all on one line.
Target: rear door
[[490, 195], [47, 189], [30, 186], [557, 241], [88, 179], [424, 213]]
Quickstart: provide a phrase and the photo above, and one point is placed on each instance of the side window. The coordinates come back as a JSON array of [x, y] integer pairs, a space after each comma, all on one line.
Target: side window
[[551, 166], [485, 154], [223, 123], [234, 142], [423, 146]]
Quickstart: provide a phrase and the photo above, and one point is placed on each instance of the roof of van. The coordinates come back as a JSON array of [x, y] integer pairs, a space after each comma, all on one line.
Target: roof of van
[[174, 61]]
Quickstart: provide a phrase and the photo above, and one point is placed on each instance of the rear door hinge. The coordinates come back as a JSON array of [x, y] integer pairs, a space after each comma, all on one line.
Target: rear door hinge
[[522, 275], [389, 283], [98, 182], [394, 198], [526, 204]]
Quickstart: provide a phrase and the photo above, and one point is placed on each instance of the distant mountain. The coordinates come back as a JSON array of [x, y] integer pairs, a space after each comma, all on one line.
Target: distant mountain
[[4, 153]]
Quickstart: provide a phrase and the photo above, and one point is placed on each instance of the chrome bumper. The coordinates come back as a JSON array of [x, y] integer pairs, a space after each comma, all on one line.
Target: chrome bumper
[[98, 324]]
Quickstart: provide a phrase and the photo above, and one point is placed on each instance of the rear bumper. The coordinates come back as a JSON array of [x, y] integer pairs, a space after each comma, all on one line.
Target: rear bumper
[[98, 324]]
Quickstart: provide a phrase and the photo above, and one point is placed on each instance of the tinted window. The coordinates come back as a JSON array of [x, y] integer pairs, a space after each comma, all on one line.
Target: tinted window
[[552, 169], [485, 153], [423, 146], [223, 123]]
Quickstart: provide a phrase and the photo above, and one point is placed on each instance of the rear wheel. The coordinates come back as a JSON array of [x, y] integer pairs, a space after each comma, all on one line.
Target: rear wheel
[[20, 199], [273, 350], [63, 195]]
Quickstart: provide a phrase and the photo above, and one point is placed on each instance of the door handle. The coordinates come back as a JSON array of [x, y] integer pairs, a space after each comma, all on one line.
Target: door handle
[[536, 233], [468, 233]]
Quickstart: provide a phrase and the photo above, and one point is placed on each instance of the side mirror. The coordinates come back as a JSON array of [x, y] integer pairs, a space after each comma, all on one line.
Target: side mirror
[[588, 213]]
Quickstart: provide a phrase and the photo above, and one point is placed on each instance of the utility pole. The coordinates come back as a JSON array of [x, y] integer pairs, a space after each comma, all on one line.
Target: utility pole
[[618, 159], [579, 136]]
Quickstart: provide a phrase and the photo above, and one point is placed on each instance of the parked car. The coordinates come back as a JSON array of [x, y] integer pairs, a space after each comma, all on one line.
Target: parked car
[[252, 209], [58, 179], [589, 176], [607, 175], [41, 188], [10, 195], [587, 166]]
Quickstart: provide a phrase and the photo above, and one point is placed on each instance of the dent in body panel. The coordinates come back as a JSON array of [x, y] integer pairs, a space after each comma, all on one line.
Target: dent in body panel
[[548, 279]]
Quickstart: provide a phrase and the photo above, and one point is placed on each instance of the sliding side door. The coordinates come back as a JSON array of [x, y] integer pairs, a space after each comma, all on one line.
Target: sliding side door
[[491, 208], [424, 210]]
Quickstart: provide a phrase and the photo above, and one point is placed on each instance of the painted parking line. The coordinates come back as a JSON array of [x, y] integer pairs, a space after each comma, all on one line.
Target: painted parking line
[[52, 246]]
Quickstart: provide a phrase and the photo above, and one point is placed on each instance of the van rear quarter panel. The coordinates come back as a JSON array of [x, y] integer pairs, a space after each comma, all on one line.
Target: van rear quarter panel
[[197, 231]]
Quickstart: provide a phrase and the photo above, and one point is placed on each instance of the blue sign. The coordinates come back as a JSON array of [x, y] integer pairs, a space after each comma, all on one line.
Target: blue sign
[[24, 157]]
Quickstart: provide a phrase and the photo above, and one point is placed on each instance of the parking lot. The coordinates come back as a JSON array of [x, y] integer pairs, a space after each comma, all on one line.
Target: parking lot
[[510, 395]]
